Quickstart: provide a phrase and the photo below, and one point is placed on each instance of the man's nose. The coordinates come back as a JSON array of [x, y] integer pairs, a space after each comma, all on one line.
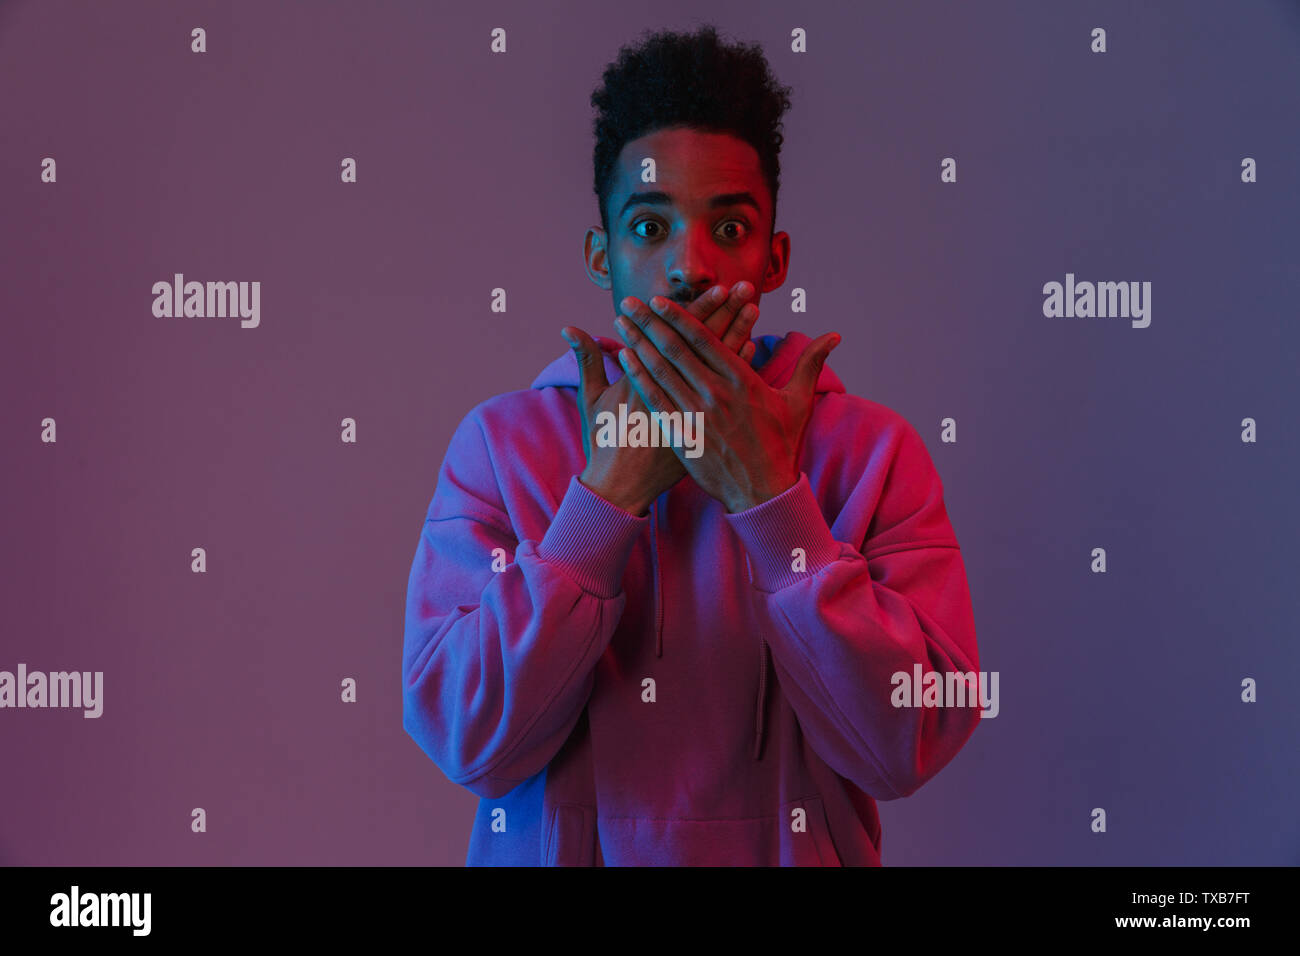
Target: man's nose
[[690, 271]]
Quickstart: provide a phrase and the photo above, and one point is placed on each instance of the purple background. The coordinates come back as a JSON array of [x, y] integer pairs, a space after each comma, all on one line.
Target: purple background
[[221, 690]]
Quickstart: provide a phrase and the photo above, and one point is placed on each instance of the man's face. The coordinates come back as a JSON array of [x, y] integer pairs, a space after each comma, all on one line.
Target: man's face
[[705, 221]]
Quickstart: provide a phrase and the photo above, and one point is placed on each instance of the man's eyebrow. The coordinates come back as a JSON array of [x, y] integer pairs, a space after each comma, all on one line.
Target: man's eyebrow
[[663, 199]]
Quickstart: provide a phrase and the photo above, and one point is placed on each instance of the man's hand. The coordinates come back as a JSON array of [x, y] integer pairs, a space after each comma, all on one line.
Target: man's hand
[[752, 432], [632, 478]]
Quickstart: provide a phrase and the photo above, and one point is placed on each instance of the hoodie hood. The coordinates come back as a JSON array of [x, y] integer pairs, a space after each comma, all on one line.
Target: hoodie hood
[[774, 360]]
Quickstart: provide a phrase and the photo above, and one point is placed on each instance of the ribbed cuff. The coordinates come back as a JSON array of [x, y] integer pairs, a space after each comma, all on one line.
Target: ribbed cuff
[[771, 531], [591, 539]]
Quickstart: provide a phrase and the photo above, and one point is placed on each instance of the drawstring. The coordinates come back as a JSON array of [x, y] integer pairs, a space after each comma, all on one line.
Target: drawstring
[[760, 721], [760, 724], [654, 564]]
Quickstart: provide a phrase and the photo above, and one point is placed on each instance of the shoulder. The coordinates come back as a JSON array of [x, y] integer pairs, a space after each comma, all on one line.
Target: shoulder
[[872, 430], [879, 465], [504, 447], [520, 416]]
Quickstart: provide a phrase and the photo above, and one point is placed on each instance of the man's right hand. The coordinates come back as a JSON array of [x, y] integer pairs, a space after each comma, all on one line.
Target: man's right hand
[[632, 478]]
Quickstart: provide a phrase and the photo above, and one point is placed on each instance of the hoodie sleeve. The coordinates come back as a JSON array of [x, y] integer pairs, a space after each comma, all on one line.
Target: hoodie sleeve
[[845, 624], [497, 665]]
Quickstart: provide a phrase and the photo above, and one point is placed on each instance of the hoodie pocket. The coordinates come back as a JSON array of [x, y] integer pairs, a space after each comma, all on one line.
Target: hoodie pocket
[[805, 835], [570, 836]]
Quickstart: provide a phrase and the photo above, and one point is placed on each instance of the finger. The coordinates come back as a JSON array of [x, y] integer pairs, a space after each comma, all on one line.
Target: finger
[[664, 353], [738, 334], [591, 366], [727, 305], [809, 366], [644, 384], [657, 366], [716, 354], [747, 352], [695, 353], [707, 307]]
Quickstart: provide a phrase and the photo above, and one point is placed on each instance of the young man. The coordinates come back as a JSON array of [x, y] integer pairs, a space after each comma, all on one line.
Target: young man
[[639, 654]]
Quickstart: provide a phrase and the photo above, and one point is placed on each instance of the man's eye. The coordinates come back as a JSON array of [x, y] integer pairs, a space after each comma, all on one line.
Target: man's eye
[[636, 226], [738, 224]]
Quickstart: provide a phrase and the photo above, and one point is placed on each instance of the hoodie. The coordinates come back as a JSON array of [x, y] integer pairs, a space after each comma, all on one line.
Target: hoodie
[[690, 687]]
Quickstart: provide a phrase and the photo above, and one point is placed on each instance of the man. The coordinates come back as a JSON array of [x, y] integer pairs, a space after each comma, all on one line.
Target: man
[[639, 654]]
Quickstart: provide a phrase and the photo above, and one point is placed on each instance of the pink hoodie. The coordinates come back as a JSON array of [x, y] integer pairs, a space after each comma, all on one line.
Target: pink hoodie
[[677, 689]]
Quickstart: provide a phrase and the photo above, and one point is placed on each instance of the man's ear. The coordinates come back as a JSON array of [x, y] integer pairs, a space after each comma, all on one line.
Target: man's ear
[[596, 254], [778, 262]]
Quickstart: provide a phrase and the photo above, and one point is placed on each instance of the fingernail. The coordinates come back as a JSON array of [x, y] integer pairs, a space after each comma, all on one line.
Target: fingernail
[[657, 303]]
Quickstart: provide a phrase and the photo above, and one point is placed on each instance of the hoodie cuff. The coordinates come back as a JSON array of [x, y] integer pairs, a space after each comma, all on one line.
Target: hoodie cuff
[[591, 539], [770, 532]]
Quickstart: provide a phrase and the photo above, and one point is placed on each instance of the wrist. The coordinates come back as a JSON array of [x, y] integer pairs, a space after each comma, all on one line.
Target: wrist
[[757, 496], [631, 504]]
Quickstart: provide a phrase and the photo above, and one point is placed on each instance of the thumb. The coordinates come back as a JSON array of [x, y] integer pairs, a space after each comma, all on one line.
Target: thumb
[[810, 363], [591, 365]]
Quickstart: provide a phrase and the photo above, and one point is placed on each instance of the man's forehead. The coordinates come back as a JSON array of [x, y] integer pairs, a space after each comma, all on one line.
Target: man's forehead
[[690, 166]]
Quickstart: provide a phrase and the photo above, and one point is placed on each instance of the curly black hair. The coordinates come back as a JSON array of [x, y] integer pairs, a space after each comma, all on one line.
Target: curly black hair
[[680, 79]]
